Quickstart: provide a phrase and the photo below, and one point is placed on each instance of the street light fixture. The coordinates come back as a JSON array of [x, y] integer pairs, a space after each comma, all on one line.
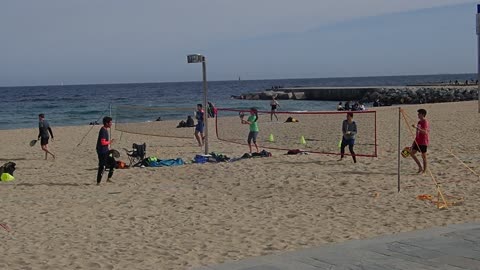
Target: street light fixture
[[198, 58]]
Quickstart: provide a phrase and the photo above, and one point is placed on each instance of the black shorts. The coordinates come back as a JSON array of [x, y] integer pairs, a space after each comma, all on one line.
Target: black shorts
[[420, 148], [274, 107], [44, 141]]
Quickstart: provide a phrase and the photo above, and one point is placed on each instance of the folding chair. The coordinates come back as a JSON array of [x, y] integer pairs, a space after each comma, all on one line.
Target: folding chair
[[137, 154]]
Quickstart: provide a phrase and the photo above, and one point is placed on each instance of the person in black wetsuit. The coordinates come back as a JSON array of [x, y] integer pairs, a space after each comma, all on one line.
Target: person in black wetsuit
[[43, 130], [103, 148]]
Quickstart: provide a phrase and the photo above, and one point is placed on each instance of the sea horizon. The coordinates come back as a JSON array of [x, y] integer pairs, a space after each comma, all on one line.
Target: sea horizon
[[264, 79], [80, 104]]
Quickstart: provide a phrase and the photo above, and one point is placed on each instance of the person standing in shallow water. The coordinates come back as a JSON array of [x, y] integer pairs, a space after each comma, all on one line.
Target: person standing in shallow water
[[422, 140], [103, 148], [349, 130], [44, 128]]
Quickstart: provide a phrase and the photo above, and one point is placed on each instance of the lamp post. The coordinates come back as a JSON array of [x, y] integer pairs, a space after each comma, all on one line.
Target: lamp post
[[198, 58], [478, 53]]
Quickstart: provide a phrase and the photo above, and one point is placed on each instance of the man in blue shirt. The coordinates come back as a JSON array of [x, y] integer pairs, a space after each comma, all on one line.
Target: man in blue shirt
[[43, 130]]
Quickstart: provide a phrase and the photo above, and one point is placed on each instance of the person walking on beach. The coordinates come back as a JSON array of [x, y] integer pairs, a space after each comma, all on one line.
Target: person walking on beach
[[349, 130], [421, 140], [273, 108], [252, 135], [44, 128], [200, 125], [103, 148]]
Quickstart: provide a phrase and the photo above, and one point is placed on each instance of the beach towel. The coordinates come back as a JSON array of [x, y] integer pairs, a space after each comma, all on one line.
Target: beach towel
[[166, 162]]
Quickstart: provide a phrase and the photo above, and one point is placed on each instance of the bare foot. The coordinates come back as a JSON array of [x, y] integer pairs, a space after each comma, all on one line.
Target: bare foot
[[109, 180], [420, 170], [340, 159]]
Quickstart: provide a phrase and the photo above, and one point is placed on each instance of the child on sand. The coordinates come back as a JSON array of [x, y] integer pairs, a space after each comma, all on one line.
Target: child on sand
[[252, 135], [421, 140]]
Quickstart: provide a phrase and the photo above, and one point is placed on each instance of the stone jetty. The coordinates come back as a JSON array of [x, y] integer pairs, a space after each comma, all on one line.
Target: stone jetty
[[386, 95]]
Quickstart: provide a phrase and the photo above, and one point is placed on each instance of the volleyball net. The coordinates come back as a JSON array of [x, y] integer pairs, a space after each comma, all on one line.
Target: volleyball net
[[310, 131], [154, 121]]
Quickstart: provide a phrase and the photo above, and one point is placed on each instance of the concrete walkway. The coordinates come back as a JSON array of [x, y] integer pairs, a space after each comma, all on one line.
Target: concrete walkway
[[453, 247]]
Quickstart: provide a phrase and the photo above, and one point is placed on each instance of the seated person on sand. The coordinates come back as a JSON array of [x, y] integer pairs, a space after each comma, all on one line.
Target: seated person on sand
[[291, 120], [190, 122]]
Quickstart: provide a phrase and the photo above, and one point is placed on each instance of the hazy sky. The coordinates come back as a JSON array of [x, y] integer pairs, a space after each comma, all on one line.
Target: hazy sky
[[117, 41]]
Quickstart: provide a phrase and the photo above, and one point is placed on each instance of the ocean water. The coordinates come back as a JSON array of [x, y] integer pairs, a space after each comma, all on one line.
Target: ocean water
[[82, 104]]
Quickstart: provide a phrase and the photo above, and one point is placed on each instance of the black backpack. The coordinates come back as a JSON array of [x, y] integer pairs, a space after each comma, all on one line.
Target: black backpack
[[8, 167]]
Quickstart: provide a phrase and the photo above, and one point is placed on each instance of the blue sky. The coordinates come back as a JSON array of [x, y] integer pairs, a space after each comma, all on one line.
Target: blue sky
[[120, 41]]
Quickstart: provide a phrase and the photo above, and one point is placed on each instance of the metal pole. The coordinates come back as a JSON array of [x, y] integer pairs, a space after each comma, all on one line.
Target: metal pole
[[478, 54], [398, 150], [205, 103]]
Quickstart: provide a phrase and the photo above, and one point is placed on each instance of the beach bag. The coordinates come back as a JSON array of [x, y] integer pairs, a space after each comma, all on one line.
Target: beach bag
[[265, 153], [294, 152], [8, 167], [120, 165], [246, 155], [200, 159], [6, 177]]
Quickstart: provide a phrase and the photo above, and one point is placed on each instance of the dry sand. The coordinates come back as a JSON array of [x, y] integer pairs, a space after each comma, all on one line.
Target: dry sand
[[193, 215]]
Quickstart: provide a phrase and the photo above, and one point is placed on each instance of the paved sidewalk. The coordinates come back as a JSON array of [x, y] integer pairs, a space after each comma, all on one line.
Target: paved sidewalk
[[454, 247]]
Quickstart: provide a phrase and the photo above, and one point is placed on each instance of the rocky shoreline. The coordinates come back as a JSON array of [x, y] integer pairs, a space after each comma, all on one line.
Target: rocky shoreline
[[385, 95]]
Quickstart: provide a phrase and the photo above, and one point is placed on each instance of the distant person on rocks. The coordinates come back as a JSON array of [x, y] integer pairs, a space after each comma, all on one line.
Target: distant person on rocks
[[355, 106], [376, 103], [362, 107], [340, 106], [43, 130], [273, 108], [421, 140], [456, 82], [347, 106]]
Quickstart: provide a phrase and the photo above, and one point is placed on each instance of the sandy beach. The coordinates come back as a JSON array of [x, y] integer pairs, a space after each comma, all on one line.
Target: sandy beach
[[201, 214]]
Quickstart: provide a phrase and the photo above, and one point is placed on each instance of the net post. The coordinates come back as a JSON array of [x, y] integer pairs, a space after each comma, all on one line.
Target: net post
[[375, 119], [398, 150], [478, 53], [205, 103]]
